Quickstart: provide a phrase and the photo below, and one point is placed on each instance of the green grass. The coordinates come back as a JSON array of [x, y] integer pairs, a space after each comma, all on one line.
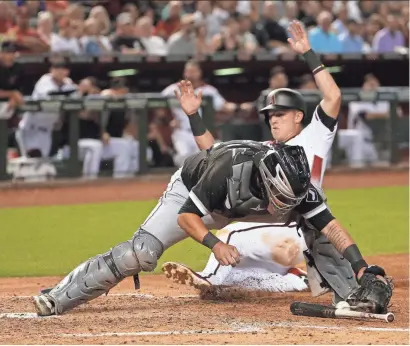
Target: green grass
[[52, 240]]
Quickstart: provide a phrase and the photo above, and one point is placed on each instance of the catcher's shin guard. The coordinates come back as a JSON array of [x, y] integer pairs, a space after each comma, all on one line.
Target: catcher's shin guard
[[101, 273], [335, 271]]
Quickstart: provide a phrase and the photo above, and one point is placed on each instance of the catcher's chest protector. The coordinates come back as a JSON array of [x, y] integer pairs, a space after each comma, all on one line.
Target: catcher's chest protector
[[240, 201]]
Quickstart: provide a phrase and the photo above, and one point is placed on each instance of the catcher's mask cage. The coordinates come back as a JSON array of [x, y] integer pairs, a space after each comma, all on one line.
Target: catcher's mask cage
[[286, 176]]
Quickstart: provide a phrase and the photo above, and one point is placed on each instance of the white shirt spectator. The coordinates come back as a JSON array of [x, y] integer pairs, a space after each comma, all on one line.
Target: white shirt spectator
[[44, 86], [64, 45], [154, 45]]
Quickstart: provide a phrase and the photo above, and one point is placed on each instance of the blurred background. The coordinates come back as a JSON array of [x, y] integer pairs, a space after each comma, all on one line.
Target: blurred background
[[236, 51]]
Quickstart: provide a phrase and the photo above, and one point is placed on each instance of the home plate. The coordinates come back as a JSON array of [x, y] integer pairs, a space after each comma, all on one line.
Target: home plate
[[21, 315]]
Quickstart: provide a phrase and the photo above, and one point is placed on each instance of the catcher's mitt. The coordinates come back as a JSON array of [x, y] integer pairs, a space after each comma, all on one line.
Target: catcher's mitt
[[373, 295]]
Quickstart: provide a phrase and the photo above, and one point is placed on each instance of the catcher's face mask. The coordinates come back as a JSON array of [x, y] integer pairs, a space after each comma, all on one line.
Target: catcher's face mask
[[286, 177]]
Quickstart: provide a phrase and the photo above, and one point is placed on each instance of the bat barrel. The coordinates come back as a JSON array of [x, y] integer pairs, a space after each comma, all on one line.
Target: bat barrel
[[312, 310]]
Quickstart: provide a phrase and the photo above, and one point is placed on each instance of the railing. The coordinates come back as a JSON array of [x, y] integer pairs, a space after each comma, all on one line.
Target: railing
[[139, 105]]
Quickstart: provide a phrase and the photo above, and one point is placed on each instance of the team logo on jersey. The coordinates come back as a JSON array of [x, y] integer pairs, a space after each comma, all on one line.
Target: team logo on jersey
[[258, 208], [312, 196]]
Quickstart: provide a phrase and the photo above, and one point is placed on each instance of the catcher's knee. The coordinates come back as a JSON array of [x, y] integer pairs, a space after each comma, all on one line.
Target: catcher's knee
[[148, 249], [132, 256]]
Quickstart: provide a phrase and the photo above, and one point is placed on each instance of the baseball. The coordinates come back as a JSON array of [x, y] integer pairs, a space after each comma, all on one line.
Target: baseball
[[343, 305]]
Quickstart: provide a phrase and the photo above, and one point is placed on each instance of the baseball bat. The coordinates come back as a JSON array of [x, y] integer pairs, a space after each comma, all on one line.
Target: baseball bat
[[316, 310]]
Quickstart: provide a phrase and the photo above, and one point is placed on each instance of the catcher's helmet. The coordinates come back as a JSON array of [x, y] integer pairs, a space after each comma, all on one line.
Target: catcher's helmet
[[284, 99], [285, 174]]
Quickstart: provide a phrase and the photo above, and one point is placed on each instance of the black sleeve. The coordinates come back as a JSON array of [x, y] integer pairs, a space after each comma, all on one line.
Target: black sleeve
[[314, 209], [191, 208], [211, 190], [328, 121]]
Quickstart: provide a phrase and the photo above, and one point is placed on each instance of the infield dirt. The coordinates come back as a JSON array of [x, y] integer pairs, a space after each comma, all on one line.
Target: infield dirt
[[166, 313]]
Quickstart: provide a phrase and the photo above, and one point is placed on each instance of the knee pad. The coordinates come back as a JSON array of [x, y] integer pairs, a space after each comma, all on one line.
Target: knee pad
[[124, 259], [148, 250]]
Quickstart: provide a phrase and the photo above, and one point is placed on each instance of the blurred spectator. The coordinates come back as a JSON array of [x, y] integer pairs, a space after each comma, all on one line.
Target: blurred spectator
[[101, 15], [124, 37], [204, 16], [278, 78], [309, 12], [65, 42], [322, 40], [367, 8], [6, 16], [45, 26], [57, 8], [166, 27], [339, 25], [149, 43], [203, 45], [183, 41], [92, 42], [27, 40], [182, 138], [228, 39], [351, 41], [307, 82], [248, 40], [116, 144], [34, 135], [278, 37], [291, 13], [132, 9], [75, 12], [371, 27], [389, 38], [10, 80], [358, 144]]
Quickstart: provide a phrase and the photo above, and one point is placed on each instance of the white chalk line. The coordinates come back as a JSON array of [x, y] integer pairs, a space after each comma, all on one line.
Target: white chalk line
[[161, 333], [306, 326], [138, 295], [242, 330], [23, 315]]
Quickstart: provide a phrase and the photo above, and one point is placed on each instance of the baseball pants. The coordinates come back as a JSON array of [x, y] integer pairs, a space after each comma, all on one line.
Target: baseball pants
[[184, 145], [34, 138], [92, 151], [264, 248]]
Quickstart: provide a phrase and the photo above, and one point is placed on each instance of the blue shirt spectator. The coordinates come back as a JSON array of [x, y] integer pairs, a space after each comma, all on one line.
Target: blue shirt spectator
[[321, 38], [351, 41]]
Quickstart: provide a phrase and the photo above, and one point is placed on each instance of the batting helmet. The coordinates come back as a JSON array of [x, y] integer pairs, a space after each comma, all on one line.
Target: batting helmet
[[284, 99]]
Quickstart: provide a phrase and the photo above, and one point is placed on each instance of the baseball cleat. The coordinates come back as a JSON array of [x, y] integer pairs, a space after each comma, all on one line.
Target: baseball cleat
[[183, 275], [44, 305], [300, 273]]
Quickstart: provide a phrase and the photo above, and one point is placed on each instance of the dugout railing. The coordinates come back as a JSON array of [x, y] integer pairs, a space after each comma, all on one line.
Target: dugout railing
[[391, 131]]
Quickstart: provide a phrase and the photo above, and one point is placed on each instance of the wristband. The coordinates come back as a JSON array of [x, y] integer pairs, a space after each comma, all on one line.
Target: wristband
[[210, 240], [353, 255], [197, 126], [313, 61]]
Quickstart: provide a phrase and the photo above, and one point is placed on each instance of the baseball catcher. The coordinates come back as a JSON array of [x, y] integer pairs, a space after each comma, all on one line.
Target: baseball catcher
[[269, 252]]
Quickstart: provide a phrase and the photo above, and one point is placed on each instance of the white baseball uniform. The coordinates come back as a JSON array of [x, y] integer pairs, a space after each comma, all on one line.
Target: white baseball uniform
[[357, 139], [268, 251], [35, 128], [182, 138]]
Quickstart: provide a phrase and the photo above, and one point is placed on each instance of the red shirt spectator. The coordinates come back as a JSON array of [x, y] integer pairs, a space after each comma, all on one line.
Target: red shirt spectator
[[165, 28], [6, 17], [26, 39]]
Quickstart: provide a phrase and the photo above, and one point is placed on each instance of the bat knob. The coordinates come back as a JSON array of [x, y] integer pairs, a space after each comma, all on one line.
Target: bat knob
[[390, 317]]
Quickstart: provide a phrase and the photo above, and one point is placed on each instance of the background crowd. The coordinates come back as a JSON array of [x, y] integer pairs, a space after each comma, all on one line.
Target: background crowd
[[156, 27]]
